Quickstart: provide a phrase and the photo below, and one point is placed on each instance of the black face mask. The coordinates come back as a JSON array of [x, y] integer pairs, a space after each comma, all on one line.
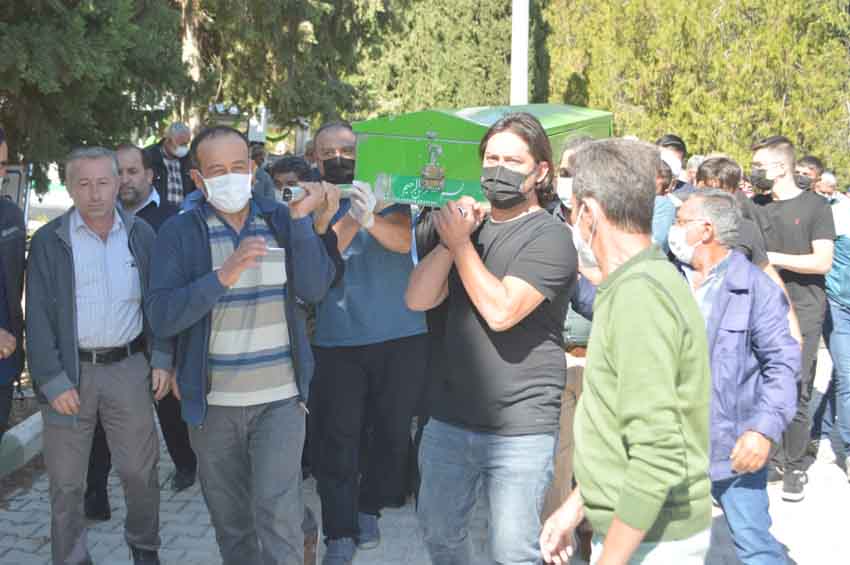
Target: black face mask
[[503, 187], [759, 179], [338, 170], [803, 181]]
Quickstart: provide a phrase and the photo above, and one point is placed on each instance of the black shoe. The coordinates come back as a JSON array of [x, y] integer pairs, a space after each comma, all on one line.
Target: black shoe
[[97, 507], [775, 474], [793, 486], [182, 480], [144, 556]]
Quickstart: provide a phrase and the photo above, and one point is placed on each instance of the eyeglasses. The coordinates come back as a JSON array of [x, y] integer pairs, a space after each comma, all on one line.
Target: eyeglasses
[[686, 221]]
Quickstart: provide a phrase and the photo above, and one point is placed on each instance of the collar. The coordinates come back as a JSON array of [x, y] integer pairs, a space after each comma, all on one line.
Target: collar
[[78, 224], [721, 268], [152, 197], [651, 253]]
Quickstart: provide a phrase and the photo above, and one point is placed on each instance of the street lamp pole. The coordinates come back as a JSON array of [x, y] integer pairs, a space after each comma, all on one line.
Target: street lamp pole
[[519, 52]]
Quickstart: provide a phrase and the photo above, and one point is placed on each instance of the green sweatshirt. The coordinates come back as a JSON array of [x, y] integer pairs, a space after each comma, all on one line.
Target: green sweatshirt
[[641, 426]]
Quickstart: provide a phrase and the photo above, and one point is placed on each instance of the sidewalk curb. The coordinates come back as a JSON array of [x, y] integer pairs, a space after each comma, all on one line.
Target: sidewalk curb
[[20, 444]]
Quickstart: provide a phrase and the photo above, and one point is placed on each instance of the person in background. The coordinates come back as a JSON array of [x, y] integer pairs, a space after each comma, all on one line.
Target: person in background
[[754, 365], [137, 197], [13, 240], [673, 151], [641, 427], [88, 345], [808, 172], [834, 407], [507, 279], [169, 159], [664, 206], [691, 169], [263, 184], [371, 355], [800, 247], [288, 172]]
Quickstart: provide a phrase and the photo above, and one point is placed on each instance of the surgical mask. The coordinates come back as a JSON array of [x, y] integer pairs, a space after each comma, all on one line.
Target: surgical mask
[[229, 193], [338, 170], [586, 257], [181, 151], [564, 188], [503, 186], [677, 239], [803, 181], [758, 177]]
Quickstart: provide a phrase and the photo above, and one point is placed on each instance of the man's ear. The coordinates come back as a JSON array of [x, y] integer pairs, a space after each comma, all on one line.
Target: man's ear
[[199, 181], [542, 172], [149, 176]]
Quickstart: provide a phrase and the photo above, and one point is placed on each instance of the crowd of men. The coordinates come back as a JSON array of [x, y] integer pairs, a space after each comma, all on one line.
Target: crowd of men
[[602, 349]]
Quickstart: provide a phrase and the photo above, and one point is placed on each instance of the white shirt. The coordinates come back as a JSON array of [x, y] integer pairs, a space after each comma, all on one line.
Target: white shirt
[[108, 286]]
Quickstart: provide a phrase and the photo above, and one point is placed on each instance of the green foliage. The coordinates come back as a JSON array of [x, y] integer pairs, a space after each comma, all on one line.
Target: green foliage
[[448, 53], [79, 72], [720, 74], [291, 56]]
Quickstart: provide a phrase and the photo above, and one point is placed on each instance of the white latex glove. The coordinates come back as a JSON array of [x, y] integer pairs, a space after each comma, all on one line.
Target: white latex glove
[[363, 204]]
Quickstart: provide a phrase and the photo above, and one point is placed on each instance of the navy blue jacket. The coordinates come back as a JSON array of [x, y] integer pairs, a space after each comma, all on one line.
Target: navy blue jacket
[[754, 361], [184, 290]]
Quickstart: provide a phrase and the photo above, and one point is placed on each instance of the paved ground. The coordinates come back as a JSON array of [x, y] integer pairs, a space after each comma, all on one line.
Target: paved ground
[[814, 530]]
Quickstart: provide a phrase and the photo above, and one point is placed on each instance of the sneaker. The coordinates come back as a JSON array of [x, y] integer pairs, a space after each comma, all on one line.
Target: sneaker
[[339, 552], [825, 453], [775, 474], [370, 535], [793, 485]]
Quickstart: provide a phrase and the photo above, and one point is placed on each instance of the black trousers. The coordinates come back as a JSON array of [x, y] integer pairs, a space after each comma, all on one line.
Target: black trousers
[[176, 439], [5, 407], [791, 454], [363, 401]]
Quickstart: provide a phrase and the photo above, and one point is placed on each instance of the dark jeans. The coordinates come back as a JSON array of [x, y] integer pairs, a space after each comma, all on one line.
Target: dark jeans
[[796, 437], [745, 503], [176, 439], [5, 407], [374, 389], [562, 483], [835, 404]]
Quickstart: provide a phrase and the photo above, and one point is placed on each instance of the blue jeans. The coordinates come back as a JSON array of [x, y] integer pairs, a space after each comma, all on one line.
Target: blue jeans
[[835, 404], [249, 464], [745, 503], [514, 472]]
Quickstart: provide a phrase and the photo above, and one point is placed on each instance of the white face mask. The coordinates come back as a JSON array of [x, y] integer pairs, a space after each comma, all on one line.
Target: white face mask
[[181, 151], [677, 239], [564, 187], [586, 257], [229, 193]]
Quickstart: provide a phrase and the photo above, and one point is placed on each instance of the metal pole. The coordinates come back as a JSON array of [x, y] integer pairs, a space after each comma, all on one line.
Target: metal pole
[[519, 52]]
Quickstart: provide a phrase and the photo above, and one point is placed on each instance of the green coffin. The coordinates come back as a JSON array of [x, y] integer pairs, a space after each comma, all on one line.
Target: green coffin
[[431, 156]]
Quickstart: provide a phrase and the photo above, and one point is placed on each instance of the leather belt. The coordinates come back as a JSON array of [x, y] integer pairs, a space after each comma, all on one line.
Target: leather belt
[[110, 355]]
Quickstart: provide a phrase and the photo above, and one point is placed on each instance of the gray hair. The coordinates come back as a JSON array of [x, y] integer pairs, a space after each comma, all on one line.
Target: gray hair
[[177, 128], [620, 175], [721, 209], [829, 178], [694, 162], [89, 154]]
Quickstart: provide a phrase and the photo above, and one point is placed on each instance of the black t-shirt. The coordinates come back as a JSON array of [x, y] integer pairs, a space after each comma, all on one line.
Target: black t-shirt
[[795, 224], [751, 243], [510, 382]]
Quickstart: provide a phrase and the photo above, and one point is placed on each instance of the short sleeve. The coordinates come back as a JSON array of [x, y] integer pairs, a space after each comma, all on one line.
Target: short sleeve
[[751, 243], [824, 224], [548, 262]]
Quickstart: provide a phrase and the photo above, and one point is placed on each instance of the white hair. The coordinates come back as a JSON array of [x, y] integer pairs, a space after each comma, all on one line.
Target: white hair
[[694, 162], [89, 154], [829, 178]]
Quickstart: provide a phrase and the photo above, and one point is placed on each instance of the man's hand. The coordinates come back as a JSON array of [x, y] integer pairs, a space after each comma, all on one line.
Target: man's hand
[[175, 388], [161, 382], [245, 257], [67, 403], [314, 198], [363, 204], [327, 209], [750, 452], [8, 344], [556, 539], [455, 226]]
